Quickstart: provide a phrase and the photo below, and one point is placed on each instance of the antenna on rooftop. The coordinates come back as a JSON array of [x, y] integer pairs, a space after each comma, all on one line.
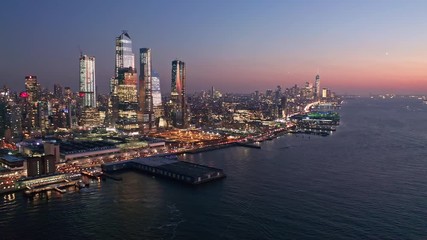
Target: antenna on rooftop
[[80, 50]]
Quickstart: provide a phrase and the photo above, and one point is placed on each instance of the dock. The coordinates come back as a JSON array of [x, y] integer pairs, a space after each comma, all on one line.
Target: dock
[[209, 148], [174, 169], [92, 175], [249, 145], [221, 146], [56, 187]]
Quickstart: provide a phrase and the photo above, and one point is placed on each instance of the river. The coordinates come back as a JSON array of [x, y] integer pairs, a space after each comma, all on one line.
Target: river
[[365, 181]]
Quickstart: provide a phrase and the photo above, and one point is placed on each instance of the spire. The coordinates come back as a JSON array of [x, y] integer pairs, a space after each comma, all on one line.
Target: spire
[[125, 33]]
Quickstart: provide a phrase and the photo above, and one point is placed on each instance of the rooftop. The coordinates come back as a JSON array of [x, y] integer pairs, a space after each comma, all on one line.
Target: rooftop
[[12, 158], [84, 146]]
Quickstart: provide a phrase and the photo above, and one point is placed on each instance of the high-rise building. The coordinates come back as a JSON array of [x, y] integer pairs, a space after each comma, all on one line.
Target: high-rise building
[[5, 113], [90, 117], [157, 95], [124, 55], [127, 101], [87, 81], [284, 106], [124, 68], [145, 90], [324, 93], [179, 115], [278, 94], [317, 87], [15, 118], [70, 109], [32, 87], [68, 94], [57, 91]]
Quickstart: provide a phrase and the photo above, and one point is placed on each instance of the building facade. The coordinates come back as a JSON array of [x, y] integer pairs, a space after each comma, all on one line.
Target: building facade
[[157, 96], [30, 116], [317, 87], [39, 166], [146, 90], [179, 111], [127, 101], [87, 87], [123, 86], [124, 55]]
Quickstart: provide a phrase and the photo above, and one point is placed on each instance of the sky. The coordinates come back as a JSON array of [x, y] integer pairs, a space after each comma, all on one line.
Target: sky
[[357, 47]]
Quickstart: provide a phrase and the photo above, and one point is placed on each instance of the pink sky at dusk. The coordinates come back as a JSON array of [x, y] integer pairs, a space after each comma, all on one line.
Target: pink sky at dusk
[[358, 47]]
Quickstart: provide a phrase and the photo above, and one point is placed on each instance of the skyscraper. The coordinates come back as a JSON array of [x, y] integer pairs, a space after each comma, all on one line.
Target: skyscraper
[[32, 87], [30, 115], [127, 101], [157, 95], [178, 94], [87, 81], [124, 63], [57, 91], [145, 89], [317, 87], [124, 55]]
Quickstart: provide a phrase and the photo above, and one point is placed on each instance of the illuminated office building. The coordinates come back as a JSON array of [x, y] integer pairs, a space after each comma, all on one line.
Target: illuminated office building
[[127, 101], [39, 166], [57, 91], [145, 90], [90, 118], [324, 93], [157, 95], [32, 96], [124, 68], [124, 55], [317, 87], [178, 115], [87, 81], [32, 87]]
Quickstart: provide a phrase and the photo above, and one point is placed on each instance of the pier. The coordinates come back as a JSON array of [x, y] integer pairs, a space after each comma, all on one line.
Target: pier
[[209, 148], [57, 187], [174, 169], [93, 175], [248, 144], [221, 146]]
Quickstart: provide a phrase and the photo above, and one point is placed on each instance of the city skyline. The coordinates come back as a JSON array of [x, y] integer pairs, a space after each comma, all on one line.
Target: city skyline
[[358, 47]]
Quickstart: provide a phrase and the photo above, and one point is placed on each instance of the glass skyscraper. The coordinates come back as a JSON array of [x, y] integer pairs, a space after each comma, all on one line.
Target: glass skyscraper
[[317, 87], [178, 94], [32, 87], [145, 89], [157, 95], [124, 90], [123, 87], [127, 101], [124, 55], [87, 81]]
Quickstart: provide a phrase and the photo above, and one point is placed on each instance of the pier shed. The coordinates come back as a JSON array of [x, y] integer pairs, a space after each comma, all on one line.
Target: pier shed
[[181, 171]]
